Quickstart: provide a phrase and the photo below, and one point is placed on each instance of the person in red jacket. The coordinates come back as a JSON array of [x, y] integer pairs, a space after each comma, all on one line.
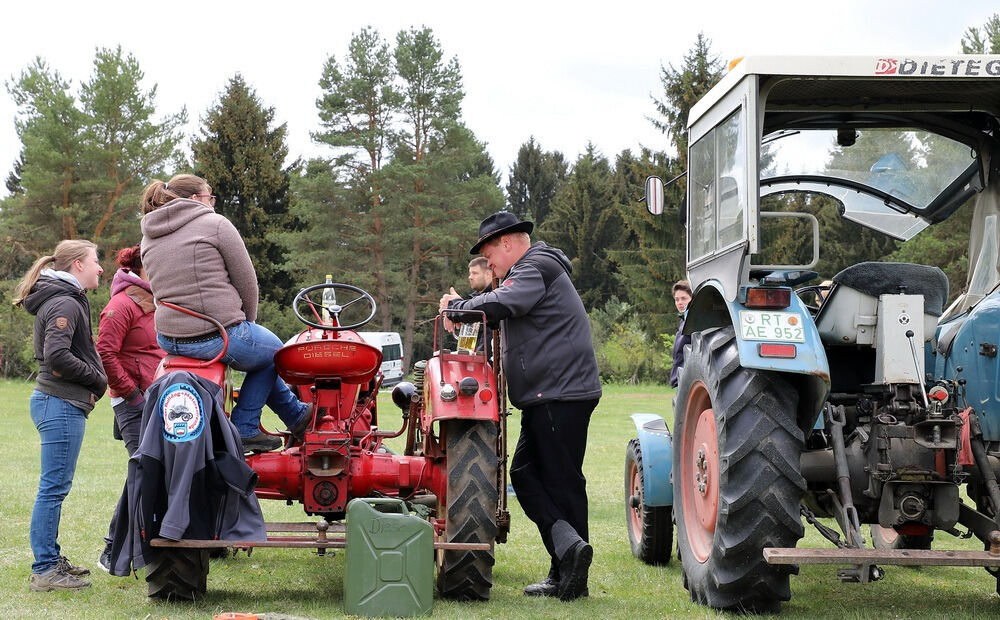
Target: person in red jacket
[[127, 345]]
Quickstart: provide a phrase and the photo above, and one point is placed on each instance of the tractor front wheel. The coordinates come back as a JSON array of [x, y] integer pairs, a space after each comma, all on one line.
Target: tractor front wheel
[[650, 528], [471, 510], [737, 484], [178, 574]]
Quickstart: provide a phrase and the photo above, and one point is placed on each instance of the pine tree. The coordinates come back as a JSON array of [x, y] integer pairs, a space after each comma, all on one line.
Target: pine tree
[[83, 164], [682, 88], [356, 112], [985, 41], [585, 222], [654, 259], [435, 185], [50, 127], [241, 154], [123, 145], [534, 179], [657, 259]]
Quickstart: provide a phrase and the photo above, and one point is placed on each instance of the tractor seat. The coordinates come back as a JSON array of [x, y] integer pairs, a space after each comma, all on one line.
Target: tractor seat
[[214, 372], [875, 279], [849, 313]]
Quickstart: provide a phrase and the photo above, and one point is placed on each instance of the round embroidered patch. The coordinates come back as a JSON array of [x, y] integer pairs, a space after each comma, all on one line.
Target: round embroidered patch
[[62, 322], [183, 414]]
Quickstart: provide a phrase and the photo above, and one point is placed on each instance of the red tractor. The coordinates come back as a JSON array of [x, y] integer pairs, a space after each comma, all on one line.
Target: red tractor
[[453, 460]]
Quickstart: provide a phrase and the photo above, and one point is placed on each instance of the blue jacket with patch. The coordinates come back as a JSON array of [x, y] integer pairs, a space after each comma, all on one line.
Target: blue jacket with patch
[[188, 478]]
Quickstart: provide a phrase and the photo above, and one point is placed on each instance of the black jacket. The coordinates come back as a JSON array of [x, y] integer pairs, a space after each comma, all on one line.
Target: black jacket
[[548, 352], [680, 341], [188, 478], [68, 364]]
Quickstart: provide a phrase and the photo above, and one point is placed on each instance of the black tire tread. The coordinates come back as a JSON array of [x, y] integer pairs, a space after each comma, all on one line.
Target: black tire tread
[[652, 544], [471, 511], [178, 574], [760, 485]]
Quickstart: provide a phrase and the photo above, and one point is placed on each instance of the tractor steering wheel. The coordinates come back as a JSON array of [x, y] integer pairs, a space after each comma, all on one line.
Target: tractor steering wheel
[[817, 292], [335, 309]]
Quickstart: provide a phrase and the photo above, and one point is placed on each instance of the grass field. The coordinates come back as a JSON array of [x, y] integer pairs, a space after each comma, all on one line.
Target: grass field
[[300, 583]]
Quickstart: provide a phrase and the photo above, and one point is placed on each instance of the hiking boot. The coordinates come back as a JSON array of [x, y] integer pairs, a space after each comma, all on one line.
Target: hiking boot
[[72, 569], [105, 560], [573, 569], [298, 429], [56, 579], [261, 442]]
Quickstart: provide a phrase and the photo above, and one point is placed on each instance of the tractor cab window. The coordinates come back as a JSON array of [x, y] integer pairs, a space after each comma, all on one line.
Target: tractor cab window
[[887, 179], [717, 188]]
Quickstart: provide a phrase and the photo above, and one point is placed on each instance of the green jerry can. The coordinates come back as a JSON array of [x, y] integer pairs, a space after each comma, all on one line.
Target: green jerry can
[[390, 560]]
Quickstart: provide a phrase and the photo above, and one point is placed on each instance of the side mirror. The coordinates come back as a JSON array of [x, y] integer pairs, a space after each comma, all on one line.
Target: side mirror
[[654, 195]]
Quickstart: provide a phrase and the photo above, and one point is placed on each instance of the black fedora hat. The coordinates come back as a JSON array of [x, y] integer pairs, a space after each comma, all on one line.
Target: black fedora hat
[[499, 223]]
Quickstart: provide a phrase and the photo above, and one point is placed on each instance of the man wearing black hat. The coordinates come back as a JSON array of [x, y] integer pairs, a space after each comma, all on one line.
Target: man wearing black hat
[[551, 370]]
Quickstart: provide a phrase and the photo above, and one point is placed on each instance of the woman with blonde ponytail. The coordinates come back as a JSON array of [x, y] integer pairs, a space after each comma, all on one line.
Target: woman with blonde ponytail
[[70, 380]]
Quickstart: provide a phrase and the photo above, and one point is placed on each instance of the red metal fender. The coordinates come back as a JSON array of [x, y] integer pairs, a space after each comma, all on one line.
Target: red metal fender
[[445, 373]]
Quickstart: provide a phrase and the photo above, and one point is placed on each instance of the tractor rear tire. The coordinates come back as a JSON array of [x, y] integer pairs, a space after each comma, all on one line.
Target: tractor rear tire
[[471, 513], [737, 484], [650, 528], [888, 538], [178, 574]]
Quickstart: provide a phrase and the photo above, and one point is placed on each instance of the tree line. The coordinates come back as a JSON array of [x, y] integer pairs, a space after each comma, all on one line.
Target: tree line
[[392, 207]]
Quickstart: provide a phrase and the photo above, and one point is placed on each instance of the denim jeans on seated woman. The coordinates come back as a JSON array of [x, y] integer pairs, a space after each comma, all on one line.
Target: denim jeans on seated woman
[[251, 349], [60, 426]]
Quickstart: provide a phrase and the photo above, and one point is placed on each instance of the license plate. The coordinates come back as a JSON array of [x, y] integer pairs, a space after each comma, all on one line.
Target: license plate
[[775, 326]]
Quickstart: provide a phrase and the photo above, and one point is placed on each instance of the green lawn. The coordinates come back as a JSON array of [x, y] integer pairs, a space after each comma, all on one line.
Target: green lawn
[[300, 583]]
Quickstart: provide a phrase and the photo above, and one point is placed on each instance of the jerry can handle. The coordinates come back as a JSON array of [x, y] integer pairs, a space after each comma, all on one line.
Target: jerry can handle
[[385, 501]]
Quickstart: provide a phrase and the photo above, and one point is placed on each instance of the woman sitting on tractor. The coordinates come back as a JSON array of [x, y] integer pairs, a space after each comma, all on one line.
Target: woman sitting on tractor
[[196, 259]]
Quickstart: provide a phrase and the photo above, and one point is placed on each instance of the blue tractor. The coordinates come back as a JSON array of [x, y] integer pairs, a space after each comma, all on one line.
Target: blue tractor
[[871, 404]]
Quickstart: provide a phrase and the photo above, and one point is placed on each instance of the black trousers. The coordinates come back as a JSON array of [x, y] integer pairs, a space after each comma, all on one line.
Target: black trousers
[[546, 470]]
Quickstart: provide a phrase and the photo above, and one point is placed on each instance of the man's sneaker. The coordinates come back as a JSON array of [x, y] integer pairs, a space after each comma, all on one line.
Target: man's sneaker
[[56, 579], [261, 442], [72, 569], [105, 560]]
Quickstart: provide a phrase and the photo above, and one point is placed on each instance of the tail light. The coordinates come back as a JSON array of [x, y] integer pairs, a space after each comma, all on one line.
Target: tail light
[[767, 349], [769, 298]]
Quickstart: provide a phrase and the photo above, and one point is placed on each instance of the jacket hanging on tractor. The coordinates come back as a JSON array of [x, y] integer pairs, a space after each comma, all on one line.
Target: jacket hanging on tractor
[[188, 478]]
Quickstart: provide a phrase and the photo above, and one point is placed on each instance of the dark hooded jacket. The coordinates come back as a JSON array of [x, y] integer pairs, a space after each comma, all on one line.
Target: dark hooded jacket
[[188, 478], [68, 364], [548, 353]]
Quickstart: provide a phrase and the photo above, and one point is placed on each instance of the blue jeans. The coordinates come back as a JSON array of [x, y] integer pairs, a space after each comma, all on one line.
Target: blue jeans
[[251, 349], [60, 426]]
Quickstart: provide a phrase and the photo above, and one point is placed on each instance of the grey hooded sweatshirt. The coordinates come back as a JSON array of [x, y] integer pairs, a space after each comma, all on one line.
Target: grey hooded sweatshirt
[[195, 258], [548, 353]]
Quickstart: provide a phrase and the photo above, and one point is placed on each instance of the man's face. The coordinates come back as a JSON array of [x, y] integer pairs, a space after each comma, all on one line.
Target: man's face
[[681, 300], [479, 277], [498, 255]]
